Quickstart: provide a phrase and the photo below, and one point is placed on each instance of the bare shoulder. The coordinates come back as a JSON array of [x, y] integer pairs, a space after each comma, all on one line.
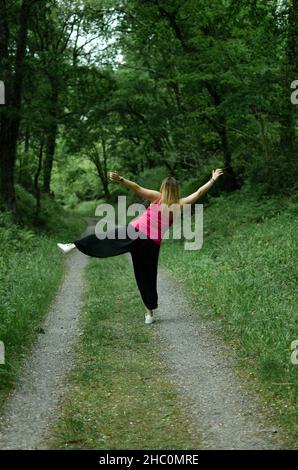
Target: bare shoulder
[[149, 194], [154, 196], [182, 202]]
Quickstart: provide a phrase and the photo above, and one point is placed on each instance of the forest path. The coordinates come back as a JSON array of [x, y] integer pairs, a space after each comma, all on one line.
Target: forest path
[[204, 371], [32, 406]]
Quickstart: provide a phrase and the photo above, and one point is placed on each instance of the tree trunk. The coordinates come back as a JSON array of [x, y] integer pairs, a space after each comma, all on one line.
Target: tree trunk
[[104, 180], [7, 196], [23, 157], [101, 167], [10, 115], [36, 179], [51, 140], [229, 182], [49, 159], [24, 176]]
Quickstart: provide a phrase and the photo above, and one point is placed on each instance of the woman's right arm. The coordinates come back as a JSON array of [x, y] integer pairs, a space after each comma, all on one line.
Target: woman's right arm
[[148, 194]]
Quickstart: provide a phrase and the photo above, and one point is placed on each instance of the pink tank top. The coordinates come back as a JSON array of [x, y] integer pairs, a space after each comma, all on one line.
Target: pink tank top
[[152, 222]]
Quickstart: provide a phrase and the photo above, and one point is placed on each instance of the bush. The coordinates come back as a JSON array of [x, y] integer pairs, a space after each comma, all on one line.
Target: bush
[[26, 204], [31, 268], [52, 219], [13, 237], [87, 208], [276, 176]]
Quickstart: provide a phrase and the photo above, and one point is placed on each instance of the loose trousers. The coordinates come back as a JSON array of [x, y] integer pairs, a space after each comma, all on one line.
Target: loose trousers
[[144, 253]]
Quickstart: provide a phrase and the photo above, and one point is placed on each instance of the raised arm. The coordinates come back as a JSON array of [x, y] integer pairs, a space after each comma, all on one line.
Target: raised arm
[[192, 198], [148, 194]]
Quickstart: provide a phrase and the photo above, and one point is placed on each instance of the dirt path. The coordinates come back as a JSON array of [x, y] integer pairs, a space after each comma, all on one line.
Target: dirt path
[[204, 371], [32, 407]]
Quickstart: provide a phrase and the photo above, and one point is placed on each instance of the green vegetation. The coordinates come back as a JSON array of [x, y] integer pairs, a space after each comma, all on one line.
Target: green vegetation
[[162, 86], [155, 88], [31, 271], [245, 277], [120, 397]]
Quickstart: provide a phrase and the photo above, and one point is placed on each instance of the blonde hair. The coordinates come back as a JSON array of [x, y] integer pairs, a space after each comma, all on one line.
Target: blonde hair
[[170, 191]]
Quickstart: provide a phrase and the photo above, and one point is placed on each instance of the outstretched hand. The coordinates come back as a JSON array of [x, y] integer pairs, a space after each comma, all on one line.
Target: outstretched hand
[[217, 173], [114, 176]]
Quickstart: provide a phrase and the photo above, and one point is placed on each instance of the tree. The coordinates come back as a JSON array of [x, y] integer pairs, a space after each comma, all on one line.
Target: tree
[[12, 70], [290, 73]]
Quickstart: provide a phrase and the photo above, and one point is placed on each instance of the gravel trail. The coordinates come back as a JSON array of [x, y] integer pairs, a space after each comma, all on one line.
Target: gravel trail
[[32, 406], [204, 371], [202, 368]]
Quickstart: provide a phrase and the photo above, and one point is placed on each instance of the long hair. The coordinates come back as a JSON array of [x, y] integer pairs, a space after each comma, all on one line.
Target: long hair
[[170, 191]]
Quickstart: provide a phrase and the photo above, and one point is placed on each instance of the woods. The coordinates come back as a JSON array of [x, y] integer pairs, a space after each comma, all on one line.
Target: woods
[[142, 86], [150, 89]]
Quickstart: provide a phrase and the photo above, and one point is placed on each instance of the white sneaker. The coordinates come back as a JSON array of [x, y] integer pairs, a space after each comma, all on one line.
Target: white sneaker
[[66, 247], [149, 319]]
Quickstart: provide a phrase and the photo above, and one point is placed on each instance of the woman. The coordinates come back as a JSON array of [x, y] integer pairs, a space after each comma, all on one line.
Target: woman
[[152, 224]]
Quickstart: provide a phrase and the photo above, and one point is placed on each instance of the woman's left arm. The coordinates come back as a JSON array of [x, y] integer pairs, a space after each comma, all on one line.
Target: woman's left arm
[[192, 198]]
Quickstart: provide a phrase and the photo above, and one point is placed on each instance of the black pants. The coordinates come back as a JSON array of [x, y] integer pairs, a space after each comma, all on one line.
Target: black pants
[[144, 253]]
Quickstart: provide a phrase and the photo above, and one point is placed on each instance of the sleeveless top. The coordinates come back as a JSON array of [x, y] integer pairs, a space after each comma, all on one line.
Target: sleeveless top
[[152, 222]]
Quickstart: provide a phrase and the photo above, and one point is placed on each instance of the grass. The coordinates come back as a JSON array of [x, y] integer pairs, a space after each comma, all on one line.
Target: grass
[[120, 397], [87, 208], [31, 269], [245, 277]]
